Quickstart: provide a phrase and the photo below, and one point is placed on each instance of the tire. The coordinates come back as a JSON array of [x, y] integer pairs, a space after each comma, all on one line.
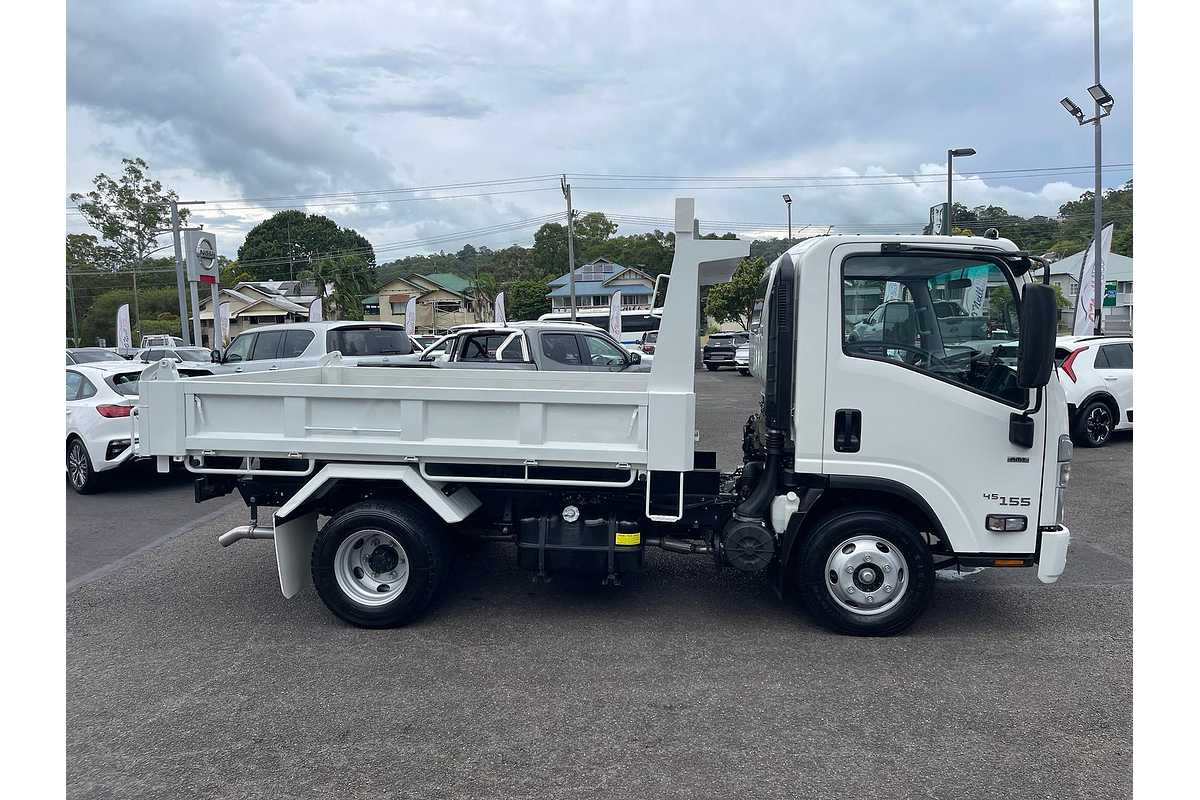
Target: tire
[[81, 476], [854, 545], [744, 372], [376, 544], [711, 367], [1093, 424]]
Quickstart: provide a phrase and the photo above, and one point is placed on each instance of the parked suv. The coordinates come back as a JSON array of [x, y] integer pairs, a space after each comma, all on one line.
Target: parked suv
[[721, 348], [1097, 375], [302, 344], [552, 346]]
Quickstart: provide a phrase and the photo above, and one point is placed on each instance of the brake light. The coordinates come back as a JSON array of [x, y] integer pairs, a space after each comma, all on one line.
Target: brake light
[[1068, 364], [648, 349], [114, 411]]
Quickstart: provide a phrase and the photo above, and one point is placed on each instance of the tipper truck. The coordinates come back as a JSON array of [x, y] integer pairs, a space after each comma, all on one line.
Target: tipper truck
[[869, 462]]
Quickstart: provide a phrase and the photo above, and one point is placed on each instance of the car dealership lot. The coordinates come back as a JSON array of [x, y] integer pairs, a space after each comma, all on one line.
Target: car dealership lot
[[189, 675]]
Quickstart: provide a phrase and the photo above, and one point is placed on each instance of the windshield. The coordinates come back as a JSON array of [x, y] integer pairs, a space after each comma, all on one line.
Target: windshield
[[194, 354], [90, 355], [371, 340]]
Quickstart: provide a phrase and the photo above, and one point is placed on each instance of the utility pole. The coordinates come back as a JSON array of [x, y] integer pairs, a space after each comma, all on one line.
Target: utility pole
[[948, 220], [566, 189], [137, 316], [71, 295], [1098, 200], [183, 314]]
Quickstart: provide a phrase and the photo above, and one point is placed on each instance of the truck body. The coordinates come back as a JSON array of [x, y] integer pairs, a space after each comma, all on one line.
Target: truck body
[[868, 464]]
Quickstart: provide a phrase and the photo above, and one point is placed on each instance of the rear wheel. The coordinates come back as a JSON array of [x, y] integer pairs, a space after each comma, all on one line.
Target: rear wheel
[[867, 573], [1093, 424], [378, 564], [743, 372], [80, 474]]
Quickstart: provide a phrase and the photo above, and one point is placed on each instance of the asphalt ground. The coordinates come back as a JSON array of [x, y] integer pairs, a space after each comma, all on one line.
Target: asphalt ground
[[188, 675]]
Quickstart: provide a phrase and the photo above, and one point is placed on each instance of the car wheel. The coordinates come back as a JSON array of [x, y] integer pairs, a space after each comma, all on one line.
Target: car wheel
[[866, 573], [80, 474], [1093, 424], [743, 372], [711, 367], [378, 564]]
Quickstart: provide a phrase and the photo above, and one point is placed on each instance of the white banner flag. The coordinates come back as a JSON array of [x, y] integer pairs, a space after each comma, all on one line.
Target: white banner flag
[[410, 316], [316, 310], [973, 299], [124, 334], [892, 290], [1087, 305], [499, 311], [223, 337], [614, 315]]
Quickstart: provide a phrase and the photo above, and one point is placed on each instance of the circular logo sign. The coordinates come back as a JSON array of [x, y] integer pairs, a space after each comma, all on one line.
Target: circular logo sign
[[206, 252]]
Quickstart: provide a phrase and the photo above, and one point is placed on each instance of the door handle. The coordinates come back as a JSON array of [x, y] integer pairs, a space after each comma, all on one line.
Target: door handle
[[275, 367], [847, 430], [1110, 377]]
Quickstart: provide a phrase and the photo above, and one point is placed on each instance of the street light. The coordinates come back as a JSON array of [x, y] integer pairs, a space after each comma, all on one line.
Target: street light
[[959, 152], [787, 198], [1104, 103]]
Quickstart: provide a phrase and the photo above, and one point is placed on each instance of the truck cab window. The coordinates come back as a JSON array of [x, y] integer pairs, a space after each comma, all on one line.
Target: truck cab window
[[603, 353], [952, 318], [239, 349], [561, 348]]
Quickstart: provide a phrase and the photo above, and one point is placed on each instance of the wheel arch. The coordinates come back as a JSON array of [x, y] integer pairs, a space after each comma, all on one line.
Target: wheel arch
[[844, 493], [1104, 397]]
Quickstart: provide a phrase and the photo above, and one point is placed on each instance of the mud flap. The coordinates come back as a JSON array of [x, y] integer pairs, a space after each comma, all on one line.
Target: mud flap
[[293, 551]]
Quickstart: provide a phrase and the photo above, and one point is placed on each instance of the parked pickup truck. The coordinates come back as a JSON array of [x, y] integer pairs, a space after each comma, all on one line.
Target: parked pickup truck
[[867, 465], [551, 346]]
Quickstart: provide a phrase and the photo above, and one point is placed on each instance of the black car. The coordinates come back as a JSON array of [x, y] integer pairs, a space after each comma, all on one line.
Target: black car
[[720, 349]]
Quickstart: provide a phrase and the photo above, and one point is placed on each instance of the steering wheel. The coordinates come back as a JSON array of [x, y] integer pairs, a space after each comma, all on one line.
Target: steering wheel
[[930, 358]]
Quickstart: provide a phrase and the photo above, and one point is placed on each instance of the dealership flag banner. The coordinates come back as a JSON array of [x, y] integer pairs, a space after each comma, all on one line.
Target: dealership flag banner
[[124, 334], [316, 311], [614, 316], [500, 318], [1086, 304], [892, 290], [973, 300], [223, 313], [410, 316]]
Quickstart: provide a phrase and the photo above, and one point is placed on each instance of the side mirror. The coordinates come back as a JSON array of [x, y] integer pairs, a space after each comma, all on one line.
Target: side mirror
[[1039, 323], [635, 358], [216, 356]]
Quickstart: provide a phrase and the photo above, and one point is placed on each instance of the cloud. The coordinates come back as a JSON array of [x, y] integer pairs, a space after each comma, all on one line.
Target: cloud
[[283, 98]]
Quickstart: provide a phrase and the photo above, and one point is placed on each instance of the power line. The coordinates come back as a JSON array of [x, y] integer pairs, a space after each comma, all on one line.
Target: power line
[[616, 176]]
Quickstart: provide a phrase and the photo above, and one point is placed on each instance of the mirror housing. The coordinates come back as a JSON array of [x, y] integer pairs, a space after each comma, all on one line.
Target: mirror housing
[[216, 356], [1039, 327], [635, 357]]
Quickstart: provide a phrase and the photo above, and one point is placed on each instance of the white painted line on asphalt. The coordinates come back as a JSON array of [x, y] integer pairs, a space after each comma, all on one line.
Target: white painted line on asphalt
[[113, 566]]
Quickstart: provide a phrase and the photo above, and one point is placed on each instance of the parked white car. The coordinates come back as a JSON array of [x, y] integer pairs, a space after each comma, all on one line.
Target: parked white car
[[741, 357], [1097, 374], [100, 397], [303, 344], [197, 356]]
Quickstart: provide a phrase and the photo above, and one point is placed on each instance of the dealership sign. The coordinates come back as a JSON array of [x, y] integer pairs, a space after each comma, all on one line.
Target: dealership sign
[[200, 249]]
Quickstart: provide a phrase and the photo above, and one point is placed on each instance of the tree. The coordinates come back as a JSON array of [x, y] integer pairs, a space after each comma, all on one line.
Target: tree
[[526, 299], [485, 289], [286, 243], [591, 232], [349, 277], [128, 212], [734, 301], [550, 249]]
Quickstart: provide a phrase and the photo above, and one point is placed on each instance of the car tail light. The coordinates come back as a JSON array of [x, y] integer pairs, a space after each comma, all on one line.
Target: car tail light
[[648, 349], [1068, 365], [114, 411]]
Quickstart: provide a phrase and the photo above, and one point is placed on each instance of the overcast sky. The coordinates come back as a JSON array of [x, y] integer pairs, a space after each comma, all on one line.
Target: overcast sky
[[270, 99]]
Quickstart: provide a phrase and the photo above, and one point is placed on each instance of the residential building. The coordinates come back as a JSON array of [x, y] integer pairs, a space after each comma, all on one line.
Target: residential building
[[595, 283], [257, 303], [1118, 269], [443, 300]]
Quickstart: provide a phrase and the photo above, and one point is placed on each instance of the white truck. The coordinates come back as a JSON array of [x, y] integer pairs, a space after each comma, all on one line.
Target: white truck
[[869, 464]]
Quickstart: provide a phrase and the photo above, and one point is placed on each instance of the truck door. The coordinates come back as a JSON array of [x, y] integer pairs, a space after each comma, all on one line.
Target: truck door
[[920, 411]]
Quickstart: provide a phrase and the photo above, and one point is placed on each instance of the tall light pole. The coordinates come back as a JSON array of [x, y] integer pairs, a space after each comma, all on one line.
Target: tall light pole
[[787, 198], [947, 219], [1104, 103]]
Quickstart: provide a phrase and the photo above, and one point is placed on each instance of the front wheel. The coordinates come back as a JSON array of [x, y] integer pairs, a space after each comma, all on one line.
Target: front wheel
[[378, 564], [711, 367], [743, 372], [1093, 424], [867, 573]]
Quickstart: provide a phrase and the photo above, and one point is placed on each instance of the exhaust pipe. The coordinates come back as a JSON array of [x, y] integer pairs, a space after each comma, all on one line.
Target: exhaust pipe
[[245, 532]]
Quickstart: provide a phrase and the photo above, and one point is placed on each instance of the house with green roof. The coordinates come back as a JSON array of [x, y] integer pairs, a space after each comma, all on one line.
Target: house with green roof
[[443, 301]]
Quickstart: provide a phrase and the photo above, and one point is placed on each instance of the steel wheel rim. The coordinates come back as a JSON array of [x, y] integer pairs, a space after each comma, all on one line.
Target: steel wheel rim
[[77, 465], [866, 575], [1099, 424], [371, 567]]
